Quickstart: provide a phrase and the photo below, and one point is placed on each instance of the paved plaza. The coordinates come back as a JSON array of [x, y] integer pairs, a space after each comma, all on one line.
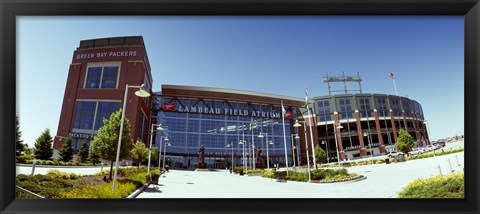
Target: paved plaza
[[383, 181]]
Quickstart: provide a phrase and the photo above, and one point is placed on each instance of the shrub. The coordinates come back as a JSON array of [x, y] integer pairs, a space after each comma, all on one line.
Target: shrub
[[103, 190], [269, 173], [379, 161], [44, 185], [255, 172], [138, 179], [322, 174], [87, 180], [340, 177], [441, 186], [297, 176], [238, 169], [64, 175]]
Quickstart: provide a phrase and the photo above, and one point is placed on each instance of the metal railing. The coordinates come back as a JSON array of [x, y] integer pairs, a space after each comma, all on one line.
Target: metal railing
[[23, 193]]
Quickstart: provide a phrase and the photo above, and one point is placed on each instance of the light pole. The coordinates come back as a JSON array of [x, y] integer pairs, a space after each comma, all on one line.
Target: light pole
[[242, 142], [266, 143], [231, 145], [293, 149], [150, 148], [297, 124], [243, 154], [140, 93], [160, 151], [165, 152], [336, 141], [326, 147], [367, 134], [429, 141]]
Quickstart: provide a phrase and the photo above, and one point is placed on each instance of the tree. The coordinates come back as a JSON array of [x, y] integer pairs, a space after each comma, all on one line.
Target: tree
[[83, 151], [43, 146], [19, 146], [154, 158], [94, 157], [139, 152], [66, 152], [404, 141], [105, 143], [320, 154]]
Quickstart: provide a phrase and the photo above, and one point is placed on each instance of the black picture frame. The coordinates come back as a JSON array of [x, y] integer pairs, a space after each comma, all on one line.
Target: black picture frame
[[9, 9]]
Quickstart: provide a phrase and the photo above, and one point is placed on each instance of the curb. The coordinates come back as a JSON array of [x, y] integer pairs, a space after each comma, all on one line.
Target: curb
[[139, 190]]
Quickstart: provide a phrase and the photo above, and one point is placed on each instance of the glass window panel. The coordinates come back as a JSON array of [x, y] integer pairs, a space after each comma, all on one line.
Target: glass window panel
[[93, 77], [109, 79], [193, 126], [84, 115], [104, 111]]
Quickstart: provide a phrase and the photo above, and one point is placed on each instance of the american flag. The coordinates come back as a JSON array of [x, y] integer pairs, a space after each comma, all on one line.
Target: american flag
[[390, 75]]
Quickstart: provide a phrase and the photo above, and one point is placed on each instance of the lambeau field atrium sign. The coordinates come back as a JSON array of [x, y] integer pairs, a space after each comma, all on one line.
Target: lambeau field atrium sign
[[225, 111]]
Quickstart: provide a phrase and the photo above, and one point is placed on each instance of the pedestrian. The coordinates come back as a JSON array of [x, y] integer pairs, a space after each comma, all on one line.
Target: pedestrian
[[167, 168]]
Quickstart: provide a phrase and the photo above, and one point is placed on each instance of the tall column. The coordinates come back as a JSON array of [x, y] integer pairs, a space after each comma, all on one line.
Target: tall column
[[404, 121], [394, 128], [339, 137], [379, 132], [415, 126], [363, 151]]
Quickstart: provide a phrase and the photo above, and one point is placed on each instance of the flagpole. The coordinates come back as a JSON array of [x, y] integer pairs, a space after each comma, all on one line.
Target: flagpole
[[253, 145], [311, 132], [390, 75], [284, 136], [395, 85]]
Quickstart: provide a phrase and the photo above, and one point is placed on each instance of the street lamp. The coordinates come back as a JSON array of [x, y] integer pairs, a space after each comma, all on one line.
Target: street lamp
[[326, 147], [339, 126], [293, 148], [150, 148], [165, 152], [160, 150], [266, 143], [243, 154], [297, 124], [140, 93], [367, 134], [228, 146]]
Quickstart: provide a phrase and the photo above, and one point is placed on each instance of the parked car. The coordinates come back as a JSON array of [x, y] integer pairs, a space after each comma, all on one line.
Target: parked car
[[415, 151], [394, 154], [441, 143]]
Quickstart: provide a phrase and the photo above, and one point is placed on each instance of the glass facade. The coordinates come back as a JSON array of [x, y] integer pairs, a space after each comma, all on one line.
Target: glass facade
[[324, 110], [345, 108], [365, 107], [382, 107], [216, 123]]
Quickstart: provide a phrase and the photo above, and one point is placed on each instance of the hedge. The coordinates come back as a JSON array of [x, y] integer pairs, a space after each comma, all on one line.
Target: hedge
[[440, 186], [61, 163]]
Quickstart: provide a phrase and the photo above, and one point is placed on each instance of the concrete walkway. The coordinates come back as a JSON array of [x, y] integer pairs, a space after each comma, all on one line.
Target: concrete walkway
[[383, 181]]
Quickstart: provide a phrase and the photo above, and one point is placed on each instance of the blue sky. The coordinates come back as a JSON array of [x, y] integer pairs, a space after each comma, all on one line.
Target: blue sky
[[270, 54]]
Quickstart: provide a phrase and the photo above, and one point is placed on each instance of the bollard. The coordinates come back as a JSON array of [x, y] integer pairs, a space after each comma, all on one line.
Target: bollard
[[456, 157], [33, 166], [101, 169], [439, 170], [450, 164]]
